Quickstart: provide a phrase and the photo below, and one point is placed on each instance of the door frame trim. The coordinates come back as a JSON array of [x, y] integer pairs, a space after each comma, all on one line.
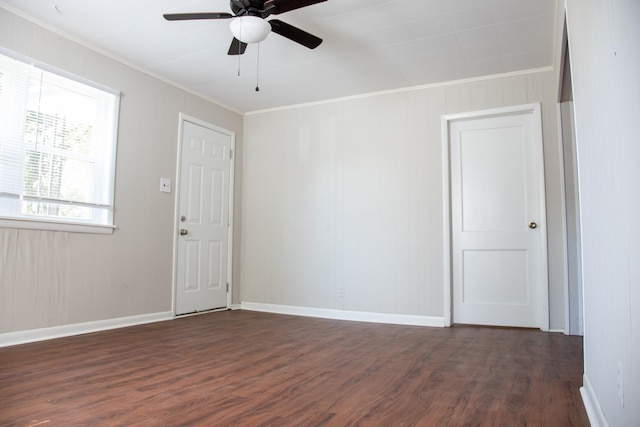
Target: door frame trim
[[182, 118], [446, 120]]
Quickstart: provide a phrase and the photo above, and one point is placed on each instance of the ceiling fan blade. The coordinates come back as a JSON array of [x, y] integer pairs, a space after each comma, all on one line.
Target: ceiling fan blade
[[274, 7], [295, 34], [237, 47], [196, 15]]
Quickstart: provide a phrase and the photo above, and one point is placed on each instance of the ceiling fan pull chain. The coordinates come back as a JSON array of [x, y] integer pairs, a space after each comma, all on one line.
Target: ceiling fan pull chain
[[239, 48], [258, 70]]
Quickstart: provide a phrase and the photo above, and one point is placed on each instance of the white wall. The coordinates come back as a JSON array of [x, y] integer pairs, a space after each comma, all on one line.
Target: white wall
[[604, 36], [348, 195], [54, 278]]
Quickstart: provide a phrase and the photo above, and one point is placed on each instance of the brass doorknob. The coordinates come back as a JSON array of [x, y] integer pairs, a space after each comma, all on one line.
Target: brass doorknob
[[184, 232], [533, 225]]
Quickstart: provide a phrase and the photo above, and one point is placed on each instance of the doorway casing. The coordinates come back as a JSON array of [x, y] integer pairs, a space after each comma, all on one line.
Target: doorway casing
[[176, 231], [446, 120]]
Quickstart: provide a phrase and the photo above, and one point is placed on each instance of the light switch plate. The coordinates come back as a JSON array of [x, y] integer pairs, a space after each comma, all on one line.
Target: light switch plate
[[165, 185]]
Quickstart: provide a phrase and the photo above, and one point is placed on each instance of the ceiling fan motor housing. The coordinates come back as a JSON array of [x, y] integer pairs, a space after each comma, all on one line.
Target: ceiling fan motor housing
[[248, 7]]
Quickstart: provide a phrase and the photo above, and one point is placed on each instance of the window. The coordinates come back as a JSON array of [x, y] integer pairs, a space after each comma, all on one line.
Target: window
[[57, 146]]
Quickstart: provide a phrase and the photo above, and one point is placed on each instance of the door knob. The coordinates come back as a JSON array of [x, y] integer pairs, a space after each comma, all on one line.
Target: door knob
[[532, 225], [184, 232]]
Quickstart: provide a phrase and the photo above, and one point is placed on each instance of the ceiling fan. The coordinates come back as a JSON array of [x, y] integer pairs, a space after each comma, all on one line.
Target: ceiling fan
[[249, 23]]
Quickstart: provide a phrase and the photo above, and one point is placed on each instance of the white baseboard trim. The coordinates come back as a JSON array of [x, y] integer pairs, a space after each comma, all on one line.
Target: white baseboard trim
[[33, 335], [357, 316], [236, 306], [591, 404]]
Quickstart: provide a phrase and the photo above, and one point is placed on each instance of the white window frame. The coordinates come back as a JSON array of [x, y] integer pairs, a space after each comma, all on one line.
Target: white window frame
[[19, 220]]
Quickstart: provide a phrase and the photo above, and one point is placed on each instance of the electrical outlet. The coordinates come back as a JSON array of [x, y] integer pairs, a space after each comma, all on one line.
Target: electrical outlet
[[620, 385], [165, 185], [340, 292]]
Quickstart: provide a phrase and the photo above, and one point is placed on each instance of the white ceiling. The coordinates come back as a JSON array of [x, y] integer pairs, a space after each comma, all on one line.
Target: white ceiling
[[369, 45]]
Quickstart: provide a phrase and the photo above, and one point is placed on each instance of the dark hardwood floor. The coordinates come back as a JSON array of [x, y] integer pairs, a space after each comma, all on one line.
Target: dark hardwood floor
[[245, 368]]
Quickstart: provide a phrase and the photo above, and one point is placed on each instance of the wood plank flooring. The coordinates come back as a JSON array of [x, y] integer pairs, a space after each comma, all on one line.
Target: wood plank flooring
[[241, 368]]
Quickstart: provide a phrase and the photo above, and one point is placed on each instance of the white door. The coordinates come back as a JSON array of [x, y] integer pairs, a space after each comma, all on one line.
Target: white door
[[203, 219], [498, 224]]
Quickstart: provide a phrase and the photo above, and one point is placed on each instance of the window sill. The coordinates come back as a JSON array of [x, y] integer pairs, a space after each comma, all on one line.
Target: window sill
[[71, 227]]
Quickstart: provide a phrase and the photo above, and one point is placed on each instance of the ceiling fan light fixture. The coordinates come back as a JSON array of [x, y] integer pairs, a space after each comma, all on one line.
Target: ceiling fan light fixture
[[250, 29]]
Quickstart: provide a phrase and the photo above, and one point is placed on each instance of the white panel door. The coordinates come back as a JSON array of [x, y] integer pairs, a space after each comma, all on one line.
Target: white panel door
[[203, 215], [498, 220]]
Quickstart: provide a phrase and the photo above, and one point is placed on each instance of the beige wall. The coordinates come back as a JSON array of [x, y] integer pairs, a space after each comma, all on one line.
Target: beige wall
[[605, 71], [58, 278], [348, 195]]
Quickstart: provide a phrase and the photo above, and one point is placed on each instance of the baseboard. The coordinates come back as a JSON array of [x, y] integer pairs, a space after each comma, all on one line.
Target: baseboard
[[33, 335], [236, 306], [596, 417], [357, 316]]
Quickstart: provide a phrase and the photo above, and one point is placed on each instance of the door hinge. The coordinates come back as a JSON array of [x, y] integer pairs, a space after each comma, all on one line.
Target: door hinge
[[227, 288], [230, 154]]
